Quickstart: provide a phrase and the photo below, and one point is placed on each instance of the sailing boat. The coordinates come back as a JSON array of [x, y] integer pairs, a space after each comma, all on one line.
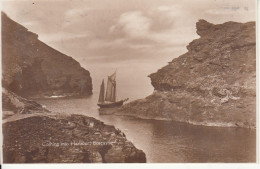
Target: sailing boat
[[109, 101]]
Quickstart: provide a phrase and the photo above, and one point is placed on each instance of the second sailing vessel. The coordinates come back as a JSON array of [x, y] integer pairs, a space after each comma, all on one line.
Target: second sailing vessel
[[109, 100]]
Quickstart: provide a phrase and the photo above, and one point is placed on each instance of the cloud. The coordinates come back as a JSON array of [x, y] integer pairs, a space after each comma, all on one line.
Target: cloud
[[134, 24], [140, 35]]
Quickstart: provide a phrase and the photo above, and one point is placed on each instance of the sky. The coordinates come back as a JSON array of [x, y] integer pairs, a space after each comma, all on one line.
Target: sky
[[135, 37]]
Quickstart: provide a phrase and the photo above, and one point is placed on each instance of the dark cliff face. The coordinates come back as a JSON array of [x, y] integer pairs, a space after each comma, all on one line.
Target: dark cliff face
[[68, 139], [214, 83], [32, 68]]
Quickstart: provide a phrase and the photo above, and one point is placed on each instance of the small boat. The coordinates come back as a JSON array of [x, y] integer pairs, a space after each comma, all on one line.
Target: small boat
[[109, 101]]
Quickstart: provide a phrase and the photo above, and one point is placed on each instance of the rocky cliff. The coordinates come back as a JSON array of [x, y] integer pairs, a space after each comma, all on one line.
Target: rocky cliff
[[214, 83], [31, 68], [66, 139]]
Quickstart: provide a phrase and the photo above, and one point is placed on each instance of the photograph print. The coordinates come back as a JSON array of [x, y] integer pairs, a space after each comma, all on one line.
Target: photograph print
[[140, 81]]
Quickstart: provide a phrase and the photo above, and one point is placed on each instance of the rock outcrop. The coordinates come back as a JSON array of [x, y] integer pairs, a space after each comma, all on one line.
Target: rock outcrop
[[31, 68], [214, 83], [67, 139], [13, 104]]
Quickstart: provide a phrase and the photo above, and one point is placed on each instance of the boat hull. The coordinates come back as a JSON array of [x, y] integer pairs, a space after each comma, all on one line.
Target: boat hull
[[111, 105]]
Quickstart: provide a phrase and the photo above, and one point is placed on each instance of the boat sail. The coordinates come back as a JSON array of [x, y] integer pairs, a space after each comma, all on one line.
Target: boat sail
[[111, 88], [102, 92], [109, 100]]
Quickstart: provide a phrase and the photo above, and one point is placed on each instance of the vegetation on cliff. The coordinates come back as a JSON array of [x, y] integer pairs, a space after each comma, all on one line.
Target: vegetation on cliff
[[214, 83]]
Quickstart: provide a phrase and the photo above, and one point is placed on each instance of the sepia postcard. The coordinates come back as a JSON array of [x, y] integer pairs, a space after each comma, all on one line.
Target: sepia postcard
[[119, 81]]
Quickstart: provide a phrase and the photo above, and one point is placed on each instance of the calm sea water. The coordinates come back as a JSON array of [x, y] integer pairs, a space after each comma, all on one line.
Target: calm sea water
[[164, 141]]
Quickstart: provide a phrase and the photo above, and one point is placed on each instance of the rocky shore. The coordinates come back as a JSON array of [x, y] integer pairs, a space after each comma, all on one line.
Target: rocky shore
[[13, 104], [213, 84], [66, 139]]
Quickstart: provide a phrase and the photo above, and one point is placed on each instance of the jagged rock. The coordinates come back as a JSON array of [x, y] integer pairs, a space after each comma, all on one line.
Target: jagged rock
[[214, 83], [47, 139], [33, 69], [14, 104], [203, 27]]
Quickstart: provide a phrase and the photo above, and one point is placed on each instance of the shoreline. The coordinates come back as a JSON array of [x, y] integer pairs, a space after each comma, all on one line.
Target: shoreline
[[206, 124], [55, 97]]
